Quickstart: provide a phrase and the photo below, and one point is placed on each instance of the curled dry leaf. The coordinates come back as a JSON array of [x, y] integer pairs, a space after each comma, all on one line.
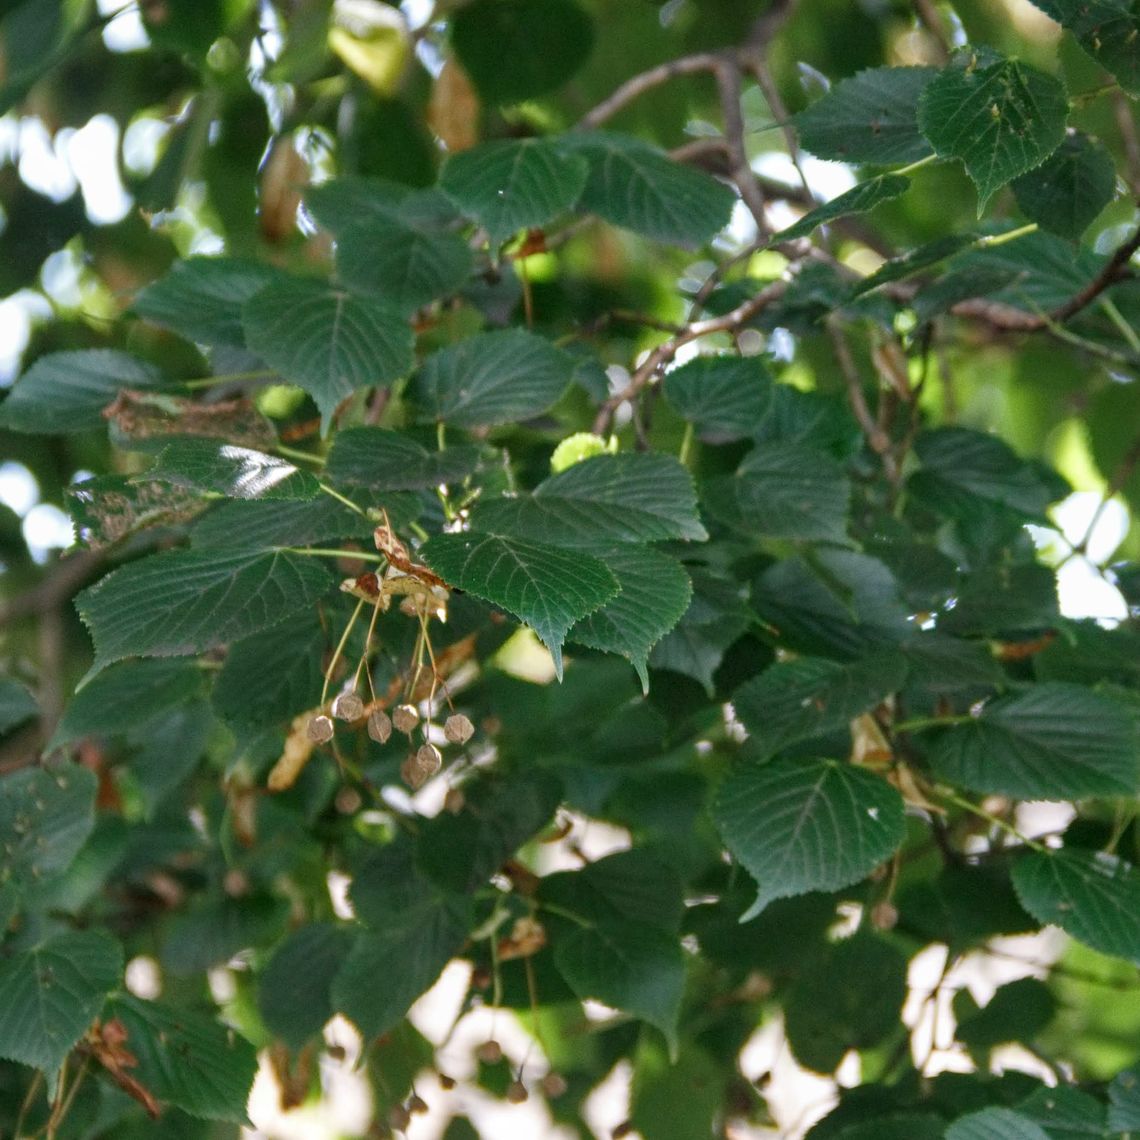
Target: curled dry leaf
[[299, 744]]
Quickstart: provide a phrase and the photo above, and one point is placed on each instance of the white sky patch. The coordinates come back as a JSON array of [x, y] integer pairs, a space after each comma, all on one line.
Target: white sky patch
[[44, 167], [19, 490], [17, 315], [47, 528], [141, 144], [126, 32], [92, 152]]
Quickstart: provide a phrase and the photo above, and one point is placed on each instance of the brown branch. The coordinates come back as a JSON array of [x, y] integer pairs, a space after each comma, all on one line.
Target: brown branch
[[1114, 269], [876, 437], [928, 17], [638, 85], [664, 352], [66, 576], [729, 88]]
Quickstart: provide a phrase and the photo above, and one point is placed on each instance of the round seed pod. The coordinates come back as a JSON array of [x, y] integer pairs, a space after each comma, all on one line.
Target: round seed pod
[[454, 800], [379, 726], [417, 1105], [517, 1093], [320, 729], [429, 759], [490, 1052], [399, 1117], [553, 1085], [411, 773], [458, 729], [405, 718], [347, 706], [446, 1083]]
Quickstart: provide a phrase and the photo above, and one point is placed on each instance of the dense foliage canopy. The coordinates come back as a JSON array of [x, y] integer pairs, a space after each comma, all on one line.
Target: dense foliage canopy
[[626, 504]]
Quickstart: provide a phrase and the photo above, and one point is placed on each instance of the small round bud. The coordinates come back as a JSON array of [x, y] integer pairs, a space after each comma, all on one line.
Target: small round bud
[[517, 1093], [399, 1117], [320, 729], [884, 916], [429, 759], [348, 801], [458, 729], [417, 1105], [553, 1085], [490, 1052], [347, 706], [446, 1083], [624, 1129], [405, 718], [454, 800], [379, 726]]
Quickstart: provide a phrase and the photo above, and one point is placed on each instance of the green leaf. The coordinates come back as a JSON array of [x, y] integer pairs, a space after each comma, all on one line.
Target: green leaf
[[201, 297], [401, 265], [995, 1124], [868, 118], [1052, 741], [1018, 1011], [45, 818], [327, 341], [783, 490], [852, 999], [716, 617], [209, 934], [1124, 1100], [348, 200], [1000, 120], [807, 825], [16, 705], [384, 460], [655, 592], [1003, 600], [514, 184], [1108, 30], [492, 378], [209, 466], [51, 993], [125, 695], [628, 886], [960, 466], [681, 1098], [631, 966], [255, 525], [187, 601], [858, 200], [544, 586], [836, 604], [1067, 191], [187, 1059], [1067, 1113], [636, 186], [810, 697], [406, 957], [630, 497], [516, 49], [294, 990], [724, 397], [461, 852], [67, 391], [1091, 895], [269, 677]]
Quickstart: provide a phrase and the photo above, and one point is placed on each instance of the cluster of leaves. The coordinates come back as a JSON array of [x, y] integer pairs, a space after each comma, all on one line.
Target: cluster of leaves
[[793, 606]]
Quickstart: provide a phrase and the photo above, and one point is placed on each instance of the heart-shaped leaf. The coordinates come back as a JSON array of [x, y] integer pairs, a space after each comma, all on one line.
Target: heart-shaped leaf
[[547, 587], [807, 825]]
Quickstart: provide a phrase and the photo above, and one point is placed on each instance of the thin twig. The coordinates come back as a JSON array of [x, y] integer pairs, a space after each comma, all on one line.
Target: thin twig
[[928, 17], [728, 85], [635, 87], [664, 352], [876, 437]]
